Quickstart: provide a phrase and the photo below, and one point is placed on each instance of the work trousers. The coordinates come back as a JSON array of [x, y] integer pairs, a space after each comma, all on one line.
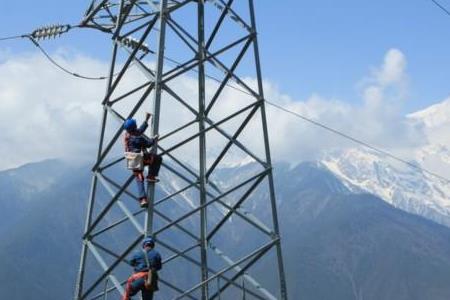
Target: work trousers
[[136, 284], [153, 162]]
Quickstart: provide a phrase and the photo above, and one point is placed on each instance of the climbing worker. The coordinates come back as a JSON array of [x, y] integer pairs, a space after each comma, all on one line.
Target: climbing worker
[[137, 155], [146, 263]]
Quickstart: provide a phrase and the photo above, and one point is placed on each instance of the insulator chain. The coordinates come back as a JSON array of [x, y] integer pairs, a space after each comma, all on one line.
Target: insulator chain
[[232, 16], [52, 31], [133, 44]]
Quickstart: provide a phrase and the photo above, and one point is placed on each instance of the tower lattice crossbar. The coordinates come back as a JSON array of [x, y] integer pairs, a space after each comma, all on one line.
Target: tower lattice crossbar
[[218, 231]]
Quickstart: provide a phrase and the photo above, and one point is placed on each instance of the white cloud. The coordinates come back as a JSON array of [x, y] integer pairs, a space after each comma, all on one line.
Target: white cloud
[[48, 114], [378, 120], [393, 69], [44, 113]]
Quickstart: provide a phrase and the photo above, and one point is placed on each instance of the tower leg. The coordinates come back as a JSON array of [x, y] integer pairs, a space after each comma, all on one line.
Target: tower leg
[[281, 273]]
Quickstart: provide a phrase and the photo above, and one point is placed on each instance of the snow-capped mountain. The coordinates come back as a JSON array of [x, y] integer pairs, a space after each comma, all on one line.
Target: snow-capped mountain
[[404, 187], [336, 244]]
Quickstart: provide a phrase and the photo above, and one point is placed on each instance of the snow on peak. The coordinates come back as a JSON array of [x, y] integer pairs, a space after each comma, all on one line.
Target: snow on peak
[[399, 185], [402, 186], [434, 116]]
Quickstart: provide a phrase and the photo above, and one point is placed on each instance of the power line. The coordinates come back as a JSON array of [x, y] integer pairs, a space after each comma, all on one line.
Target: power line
[[302, 117], [11, 37], [59, 66], [328, 128], [47, 32], [441, 7], [358, 141]]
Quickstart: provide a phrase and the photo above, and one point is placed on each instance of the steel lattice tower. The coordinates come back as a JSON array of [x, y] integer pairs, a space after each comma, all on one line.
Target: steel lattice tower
[[214, 42]]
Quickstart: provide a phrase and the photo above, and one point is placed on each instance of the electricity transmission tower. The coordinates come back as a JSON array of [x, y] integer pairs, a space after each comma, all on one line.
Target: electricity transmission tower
[[186, 62]]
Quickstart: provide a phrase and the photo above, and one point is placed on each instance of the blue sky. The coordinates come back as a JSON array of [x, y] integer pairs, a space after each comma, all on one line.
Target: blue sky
[[357, 66], [307, 47]]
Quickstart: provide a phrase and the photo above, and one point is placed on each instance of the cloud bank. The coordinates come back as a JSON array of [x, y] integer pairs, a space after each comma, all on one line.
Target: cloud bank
[[47, 114], [44, 113]]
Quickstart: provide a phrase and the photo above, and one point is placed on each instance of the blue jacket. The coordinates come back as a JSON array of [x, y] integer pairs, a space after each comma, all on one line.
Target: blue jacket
[[139, 264], [135, 141]]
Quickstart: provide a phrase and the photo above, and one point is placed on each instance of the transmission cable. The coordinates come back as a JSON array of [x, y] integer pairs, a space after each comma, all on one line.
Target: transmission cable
[[325, 127], [49, 32], [441, 7], [358, 141], [12, 37], [59, 66], [296, 114]]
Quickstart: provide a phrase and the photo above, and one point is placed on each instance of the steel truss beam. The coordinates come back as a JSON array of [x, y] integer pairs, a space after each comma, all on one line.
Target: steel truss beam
[[131, 24]]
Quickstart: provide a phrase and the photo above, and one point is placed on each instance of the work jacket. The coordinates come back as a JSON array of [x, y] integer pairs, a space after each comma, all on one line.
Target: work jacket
[[136, 142], [139, 264]]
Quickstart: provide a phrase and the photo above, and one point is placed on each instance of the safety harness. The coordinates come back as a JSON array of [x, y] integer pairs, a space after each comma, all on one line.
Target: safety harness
[[150, 279], [151, 282]]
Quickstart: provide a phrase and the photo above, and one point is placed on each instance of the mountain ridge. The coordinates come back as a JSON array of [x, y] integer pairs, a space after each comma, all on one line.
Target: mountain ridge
[[337, 244]]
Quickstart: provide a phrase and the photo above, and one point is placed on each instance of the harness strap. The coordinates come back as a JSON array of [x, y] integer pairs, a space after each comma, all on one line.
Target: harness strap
[[126, 139], [148, 280]]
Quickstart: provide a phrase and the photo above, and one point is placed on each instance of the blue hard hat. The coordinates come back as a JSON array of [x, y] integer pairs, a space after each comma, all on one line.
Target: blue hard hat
[[129, 124], [148, 241]]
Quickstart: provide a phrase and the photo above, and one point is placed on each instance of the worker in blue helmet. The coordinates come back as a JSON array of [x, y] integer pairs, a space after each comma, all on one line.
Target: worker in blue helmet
[[138, 156], [130, 125], [146, 264]]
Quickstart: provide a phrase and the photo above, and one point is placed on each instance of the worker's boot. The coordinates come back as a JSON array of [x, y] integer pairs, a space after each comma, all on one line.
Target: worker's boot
[[143, 202], [152, 179]]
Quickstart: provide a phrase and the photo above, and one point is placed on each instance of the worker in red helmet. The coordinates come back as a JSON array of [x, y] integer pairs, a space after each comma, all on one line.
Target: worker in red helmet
[[138, 156], [146, 263]]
